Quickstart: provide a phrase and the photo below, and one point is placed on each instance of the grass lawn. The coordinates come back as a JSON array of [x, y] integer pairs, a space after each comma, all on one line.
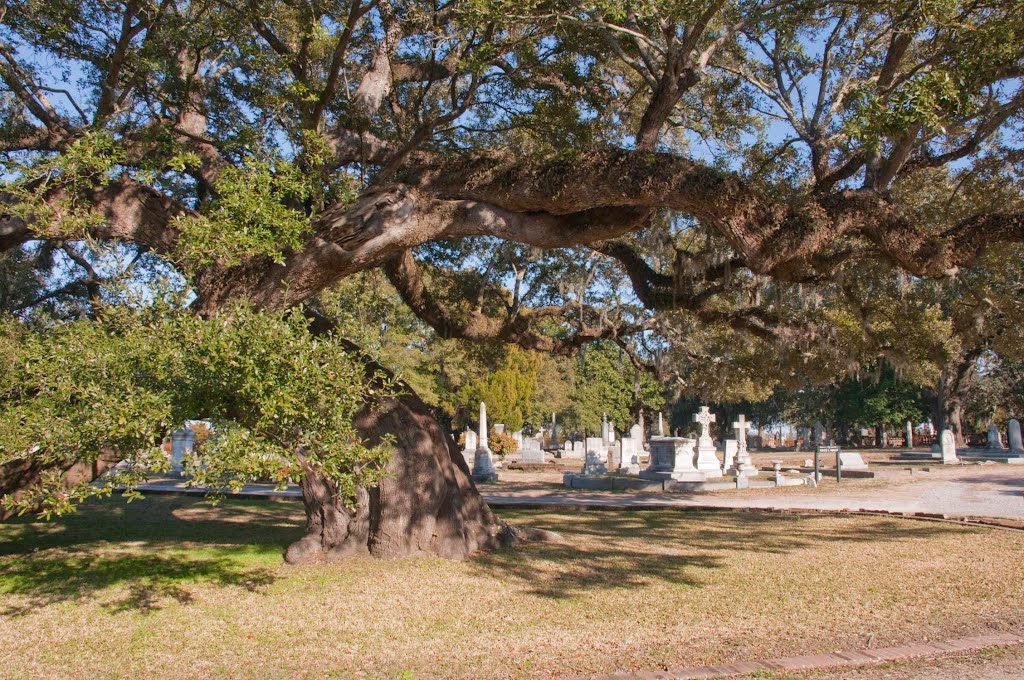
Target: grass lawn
[[174, 586]]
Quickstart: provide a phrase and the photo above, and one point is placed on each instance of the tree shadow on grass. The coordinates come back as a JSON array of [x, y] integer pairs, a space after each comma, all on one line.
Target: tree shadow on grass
[[610, 550], [149, 580], [151, 549]]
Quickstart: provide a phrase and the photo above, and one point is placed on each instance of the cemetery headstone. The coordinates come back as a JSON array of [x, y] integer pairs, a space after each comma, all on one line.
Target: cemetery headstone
[[743, 465], [469, 446], [851, 460], [1013, 434], [707, 461], [910, 436], [483, 462], [995, 438], [532, 451], [948, 447], [636, 432], [628, 456], [731, 447], [597, 456], [182, 441]]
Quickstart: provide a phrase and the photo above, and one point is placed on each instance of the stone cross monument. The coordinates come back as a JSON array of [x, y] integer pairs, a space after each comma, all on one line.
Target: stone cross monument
[[743, 465], [707, 459]]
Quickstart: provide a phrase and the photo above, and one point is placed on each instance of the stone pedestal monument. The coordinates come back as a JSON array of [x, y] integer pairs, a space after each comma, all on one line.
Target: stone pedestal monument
[[707, 461], [910, 436], [483, 462], [672, 458]]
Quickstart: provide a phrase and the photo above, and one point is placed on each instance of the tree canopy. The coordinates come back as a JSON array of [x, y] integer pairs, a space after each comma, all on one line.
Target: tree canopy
[[742, 195]]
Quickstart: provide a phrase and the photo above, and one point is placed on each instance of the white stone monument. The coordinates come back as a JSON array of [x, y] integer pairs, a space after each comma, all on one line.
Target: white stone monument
[[553, 442], [469, 446], [707, 460], [910, 436], [743, 465], [852, 461], [628, 456], [182, 441], [672, 458], [948, 447], [729, 449], [661, 426], [1013, 434], [483, 462], [532, 451], [596, 462]]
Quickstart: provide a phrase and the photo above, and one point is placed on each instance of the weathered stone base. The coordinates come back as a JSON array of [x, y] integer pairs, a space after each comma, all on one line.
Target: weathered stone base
[[830, 472], [614, 483], [486, 478]]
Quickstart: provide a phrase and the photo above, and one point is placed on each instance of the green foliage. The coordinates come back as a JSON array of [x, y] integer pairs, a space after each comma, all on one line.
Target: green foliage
[[49, 191], [509, 389], [879, 399], [607, 383], [257, 212], [280, 400], [501, 443]]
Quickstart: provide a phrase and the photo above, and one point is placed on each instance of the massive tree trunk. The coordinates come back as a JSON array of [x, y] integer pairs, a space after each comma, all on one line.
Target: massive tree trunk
[[427, 505], [949, 396]]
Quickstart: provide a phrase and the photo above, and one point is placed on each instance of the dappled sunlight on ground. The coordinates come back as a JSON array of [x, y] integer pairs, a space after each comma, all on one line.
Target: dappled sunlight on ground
[[175, 582]]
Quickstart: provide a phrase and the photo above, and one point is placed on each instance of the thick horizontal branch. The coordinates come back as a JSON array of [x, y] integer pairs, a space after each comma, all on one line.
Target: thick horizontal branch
[[519, 328], [770, 236], [130, 211]]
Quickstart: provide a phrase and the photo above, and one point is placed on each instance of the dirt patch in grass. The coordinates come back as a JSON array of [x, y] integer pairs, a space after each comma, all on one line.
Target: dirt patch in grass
[[173, 584]]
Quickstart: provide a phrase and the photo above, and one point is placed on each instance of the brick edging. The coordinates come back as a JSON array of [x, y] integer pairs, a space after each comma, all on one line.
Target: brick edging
[[851, 658]]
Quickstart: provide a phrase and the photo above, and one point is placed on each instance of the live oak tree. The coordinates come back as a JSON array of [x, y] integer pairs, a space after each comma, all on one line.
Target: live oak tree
[[507, 165]]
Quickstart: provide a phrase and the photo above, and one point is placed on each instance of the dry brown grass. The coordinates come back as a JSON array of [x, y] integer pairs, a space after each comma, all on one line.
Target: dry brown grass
[[173, 587]]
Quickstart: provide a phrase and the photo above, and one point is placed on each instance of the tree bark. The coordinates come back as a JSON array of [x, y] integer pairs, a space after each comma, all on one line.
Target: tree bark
[[427, 504]]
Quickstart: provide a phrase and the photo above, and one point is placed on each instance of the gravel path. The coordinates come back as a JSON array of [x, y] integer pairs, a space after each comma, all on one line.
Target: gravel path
[[975, 491], [968, 491]]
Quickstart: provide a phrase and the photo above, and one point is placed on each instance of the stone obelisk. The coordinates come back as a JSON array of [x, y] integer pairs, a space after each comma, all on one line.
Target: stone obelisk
[[483, 464]]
